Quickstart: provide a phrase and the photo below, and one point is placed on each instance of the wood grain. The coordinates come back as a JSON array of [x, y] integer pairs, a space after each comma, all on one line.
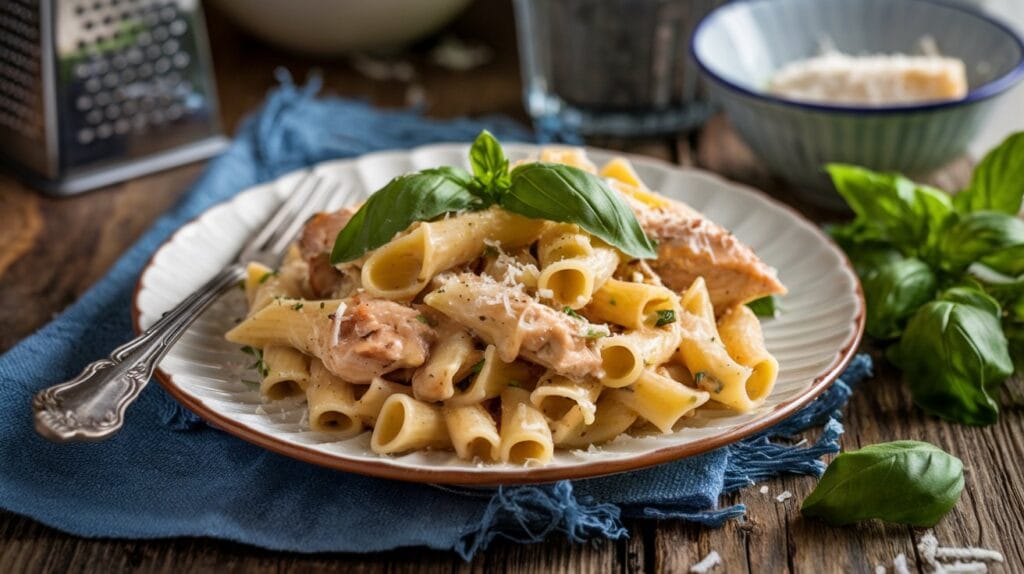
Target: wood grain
[[52, 250]]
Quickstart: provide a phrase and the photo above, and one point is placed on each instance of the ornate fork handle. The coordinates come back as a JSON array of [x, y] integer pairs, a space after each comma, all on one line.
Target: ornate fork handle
[[91, 406]]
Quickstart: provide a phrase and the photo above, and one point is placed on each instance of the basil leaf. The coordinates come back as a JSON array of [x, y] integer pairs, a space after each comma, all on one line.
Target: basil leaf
[[567, 194], [979, 235], [906, 482], [890, 207], [764, 307], [955, 356], [997, 183], [420, 196], [490, 166], [893, 292]]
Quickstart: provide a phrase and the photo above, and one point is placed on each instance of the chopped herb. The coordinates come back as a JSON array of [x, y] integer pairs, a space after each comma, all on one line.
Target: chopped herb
[[570, 312], [262, 368], [321, 304], [764, 307], [266, 276], [611, 301], [593, 333], [426, 320], [514, 383], [699, 376], [665, 317], [490, 251], [477, 368], [297, 306]]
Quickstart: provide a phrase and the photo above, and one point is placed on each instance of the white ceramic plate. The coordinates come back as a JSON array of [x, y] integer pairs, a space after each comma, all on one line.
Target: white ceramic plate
[[815, 335]]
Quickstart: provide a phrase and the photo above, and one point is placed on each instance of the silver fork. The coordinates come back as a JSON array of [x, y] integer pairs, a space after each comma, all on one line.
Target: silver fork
[[91, 406]]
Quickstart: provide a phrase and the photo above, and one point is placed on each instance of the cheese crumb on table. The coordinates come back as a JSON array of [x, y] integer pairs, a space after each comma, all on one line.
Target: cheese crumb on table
[[764, 490], [786, 495], [706, 564], [877, 79]]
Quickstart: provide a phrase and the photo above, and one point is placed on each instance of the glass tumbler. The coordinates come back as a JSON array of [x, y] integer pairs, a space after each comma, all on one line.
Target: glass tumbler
[[611, 67]]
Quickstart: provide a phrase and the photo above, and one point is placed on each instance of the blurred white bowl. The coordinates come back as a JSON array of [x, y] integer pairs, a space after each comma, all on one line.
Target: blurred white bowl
[[331, 27]]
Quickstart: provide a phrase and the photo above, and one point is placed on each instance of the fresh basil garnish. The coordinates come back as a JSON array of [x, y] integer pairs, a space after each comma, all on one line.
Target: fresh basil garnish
[[490, 166], [553, 192], [997, 183], [955, 356], [893, 292], [567, 194], [764, 307], [906, 482], [420, 196]]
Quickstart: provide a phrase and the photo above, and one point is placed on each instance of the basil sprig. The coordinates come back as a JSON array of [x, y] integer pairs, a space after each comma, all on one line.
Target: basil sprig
[[548, 191], [420, 196], [943, 279], [906, 482]]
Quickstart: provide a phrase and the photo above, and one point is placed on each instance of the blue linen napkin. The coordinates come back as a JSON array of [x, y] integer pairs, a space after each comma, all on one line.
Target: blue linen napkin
[[167, 474]]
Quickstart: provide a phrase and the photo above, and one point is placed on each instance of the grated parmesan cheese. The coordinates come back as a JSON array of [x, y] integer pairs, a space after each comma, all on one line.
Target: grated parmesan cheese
[[707, 563], [899, 564], [786, 495], [876, 79], [336, 324], [546, 293], [764, 490]]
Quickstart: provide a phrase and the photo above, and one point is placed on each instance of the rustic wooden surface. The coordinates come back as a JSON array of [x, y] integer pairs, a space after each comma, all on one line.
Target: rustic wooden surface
[[52, 250]]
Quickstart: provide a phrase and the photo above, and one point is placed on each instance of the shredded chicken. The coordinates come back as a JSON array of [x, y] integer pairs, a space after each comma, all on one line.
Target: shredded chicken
[[691, 246], [375, 337], [517, 324], [315, 245]]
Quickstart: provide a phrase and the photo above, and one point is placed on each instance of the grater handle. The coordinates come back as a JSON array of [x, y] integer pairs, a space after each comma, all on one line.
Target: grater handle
[[91, 406]]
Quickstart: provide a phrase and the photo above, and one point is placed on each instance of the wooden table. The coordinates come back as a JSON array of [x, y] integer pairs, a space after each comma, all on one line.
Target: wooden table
[[54, 249]]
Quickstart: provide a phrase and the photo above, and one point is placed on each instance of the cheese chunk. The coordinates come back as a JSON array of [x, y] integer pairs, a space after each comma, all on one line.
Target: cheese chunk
[[839, 78]]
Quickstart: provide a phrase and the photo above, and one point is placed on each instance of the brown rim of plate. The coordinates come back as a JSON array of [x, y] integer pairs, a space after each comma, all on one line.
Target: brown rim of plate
[[539, 474]]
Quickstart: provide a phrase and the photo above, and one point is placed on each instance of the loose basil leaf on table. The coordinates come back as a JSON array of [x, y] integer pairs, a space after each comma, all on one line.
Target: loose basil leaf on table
[[490, 166], [894, 292], [997, 183], [955, 356], [892, 208], [906, 482], [987, 236], [420, 196], [570, 195]]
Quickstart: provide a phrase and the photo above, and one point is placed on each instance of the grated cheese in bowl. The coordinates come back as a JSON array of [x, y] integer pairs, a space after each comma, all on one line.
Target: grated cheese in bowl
[[877, 79]]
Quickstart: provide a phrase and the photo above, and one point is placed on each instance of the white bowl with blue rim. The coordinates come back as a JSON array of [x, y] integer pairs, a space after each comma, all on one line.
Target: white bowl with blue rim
[[740, 45]]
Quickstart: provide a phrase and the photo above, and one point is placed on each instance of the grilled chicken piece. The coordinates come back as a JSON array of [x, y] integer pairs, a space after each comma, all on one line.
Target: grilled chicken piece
[[691, 246], [506, 317], [375, 337], [315, 245]]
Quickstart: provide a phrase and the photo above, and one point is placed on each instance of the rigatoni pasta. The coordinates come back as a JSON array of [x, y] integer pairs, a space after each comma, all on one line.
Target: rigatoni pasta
[[499, 336]]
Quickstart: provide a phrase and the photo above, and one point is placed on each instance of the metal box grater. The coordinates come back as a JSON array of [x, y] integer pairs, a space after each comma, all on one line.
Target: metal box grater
[[98, 91]]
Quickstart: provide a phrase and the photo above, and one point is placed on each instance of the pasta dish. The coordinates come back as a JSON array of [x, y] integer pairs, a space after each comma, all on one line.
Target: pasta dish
[[510, 311]]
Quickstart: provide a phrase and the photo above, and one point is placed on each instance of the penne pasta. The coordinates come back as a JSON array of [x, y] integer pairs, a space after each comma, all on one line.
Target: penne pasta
[[555, 395], [743, 339], [525, 436], [611, 419], [660, 400], [491, 377], [402, 268], [406, 424], [287, 372], [331, 403], [631, 305], [572, 266], [453, 353], [473, 432]]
